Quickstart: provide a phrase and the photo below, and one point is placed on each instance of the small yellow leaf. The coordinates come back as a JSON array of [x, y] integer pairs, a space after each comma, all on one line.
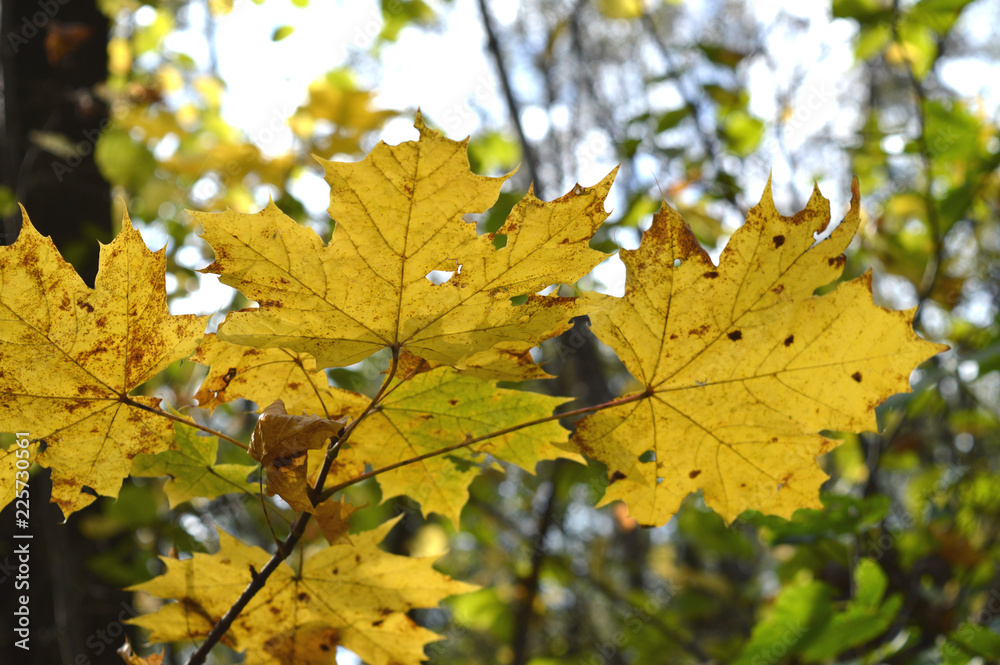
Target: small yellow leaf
[[130, 658], [352, 595], [265, 375]]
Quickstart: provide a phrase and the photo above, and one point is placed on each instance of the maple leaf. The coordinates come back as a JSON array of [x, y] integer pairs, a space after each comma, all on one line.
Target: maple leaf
[[742, 365], [443, 407], [354, 596], [70, 355], [399, 216], [192, 470]]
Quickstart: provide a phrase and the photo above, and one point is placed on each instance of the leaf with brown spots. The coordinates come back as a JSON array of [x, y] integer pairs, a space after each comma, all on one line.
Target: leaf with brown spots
[[70, 356], [280, 442], [351, 595], [399, 216], [265, 375], [743, 366]]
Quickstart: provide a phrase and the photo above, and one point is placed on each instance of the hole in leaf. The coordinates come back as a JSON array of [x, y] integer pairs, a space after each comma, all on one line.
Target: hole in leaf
[[677, 263], [440, 276], [519, 300], [648, 456]]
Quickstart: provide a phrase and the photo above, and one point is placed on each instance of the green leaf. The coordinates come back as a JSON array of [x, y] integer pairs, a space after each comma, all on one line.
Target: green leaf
[[864, 619], [743, 132], [971, 639], [192, 470], [671, 119], [797, 613], [281, 32]]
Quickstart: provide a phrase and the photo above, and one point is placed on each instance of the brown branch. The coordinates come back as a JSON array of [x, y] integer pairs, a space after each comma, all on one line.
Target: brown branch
[[259, 578], [512, 105], [316, 492], [186, 421], [933, 270], [524, 613]]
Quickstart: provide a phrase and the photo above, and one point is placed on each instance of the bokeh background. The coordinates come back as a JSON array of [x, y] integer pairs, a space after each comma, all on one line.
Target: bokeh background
[[203, 104]]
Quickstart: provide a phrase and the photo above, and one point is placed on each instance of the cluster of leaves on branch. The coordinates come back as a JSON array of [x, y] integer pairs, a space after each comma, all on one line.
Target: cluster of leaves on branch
[[739, 365]]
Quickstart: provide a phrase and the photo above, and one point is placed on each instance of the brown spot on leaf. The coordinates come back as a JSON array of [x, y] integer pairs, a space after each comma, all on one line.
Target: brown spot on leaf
[[453, 402], [778, 241], [735, 335], [616, 476], [837, 261], [378, 623], [87, 306], [700, 330], [856, 376], [303, 596], [695, 473], [778, 289], [673, 336], [789, 340], [711, 274]]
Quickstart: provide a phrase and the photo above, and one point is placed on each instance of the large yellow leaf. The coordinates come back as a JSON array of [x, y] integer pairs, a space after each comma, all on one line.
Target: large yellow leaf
[[70, 355], [743, 365], [352, 595], [443, 407], [399, 216]]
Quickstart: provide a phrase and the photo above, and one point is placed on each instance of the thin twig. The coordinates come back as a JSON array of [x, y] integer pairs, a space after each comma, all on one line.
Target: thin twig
[[316, 492], [933, 270], [285, 548], [524, 612], [330, 491], [512, 105], [186, 421]]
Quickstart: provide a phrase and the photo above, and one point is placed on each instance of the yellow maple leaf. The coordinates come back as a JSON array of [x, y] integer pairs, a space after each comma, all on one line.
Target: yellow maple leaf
[[70, 355], [352, 595], [399, 216], [743, 365]]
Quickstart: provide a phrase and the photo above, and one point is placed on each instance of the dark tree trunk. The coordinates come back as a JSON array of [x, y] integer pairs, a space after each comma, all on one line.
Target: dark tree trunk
[[54, 53]]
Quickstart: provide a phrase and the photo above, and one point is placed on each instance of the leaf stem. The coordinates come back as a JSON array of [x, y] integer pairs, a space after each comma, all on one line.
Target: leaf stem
[[258, 580], [298, 526], [316, 492], [186, 421], [330, 491], [256, 584]]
